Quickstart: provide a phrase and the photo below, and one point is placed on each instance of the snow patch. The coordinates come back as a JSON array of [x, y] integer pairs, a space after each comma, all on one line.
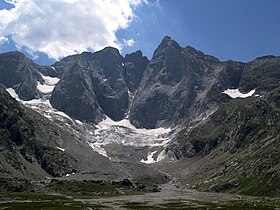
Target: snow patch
[[235, 93], [46, 89], [150, 158], [98, 148], [79, 122], [13, 93], [161, 155], [49, 84], [50, 80], [60, 149]]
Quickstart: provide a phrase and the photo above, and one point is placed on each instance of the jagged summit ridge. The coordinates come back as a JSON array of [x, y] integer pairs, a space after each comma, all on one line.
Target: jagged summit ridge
[[176, 87]]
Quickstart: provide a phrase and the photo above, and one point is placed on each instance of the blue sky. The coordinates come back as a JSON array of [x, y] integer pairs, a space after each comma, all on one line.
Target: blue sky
[[228, 29]]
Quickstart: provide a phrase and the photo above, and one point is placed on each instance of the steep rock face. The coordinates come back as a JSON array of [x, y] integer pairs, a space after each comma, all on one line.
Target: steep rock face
[[101, 87], [183, 85], [230, 76], [19, 73], [174, 79], [74, 95], [134, 67], [261, 74], [51, 71], [109, 84]]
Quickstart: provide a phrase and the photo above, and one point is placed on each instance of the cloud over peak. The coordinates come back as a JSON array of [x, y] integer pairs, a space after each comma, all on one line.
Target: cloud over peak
[[63, 27]]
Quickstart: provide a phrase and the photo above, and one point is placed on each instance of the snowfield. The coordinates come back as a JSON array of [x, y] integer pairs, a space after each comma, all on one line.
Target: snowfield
[[235, 93]]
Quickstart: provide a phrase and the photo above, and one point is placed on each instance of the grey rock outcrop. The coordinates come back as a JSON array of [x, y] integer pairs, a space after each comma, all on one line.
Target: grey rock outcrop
[[262, 73], [20, 73]]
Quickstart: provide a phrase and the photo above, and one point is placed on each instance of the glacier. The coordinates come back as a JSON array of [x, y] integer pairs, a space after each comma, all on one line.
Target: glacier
[[106, 137]]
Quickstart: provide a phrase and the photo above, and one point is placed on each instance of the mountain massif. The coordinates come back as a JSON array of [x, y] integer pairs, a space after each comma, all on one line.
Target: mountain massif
[[211, 124]]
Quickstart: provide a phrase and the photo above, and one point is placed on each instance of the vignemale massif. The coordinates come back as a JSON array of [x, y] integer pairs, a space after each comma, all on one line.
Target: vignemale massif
[[208, 124]]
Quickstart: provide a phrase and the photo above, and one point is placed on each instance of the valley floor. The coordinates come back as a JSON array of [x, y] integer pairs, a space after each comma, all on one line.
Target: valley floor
[[170, 197]]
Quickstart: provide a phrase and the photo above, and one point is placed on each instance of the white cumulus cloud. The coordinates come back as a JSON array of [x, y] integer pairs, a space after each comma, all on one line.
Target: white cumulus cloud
[[129, 42], [63, 27], [11, 1]]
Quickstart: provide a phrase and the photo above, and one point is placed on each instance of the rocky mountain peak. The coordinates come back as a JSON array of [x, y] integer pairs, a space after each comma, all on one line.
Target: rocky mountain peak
[[134, 56], [193, 53], [102, 88], [266, 57], [107, 56], [226, 109], [134, 67], [14, 54], [175, 86], [110, 50], [20, 73], [166, 44]]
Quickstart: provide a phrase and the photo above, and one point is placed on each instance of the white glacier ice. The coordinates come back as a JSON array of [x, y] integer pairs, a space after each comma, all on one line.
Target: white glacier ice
[[109, 132]]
